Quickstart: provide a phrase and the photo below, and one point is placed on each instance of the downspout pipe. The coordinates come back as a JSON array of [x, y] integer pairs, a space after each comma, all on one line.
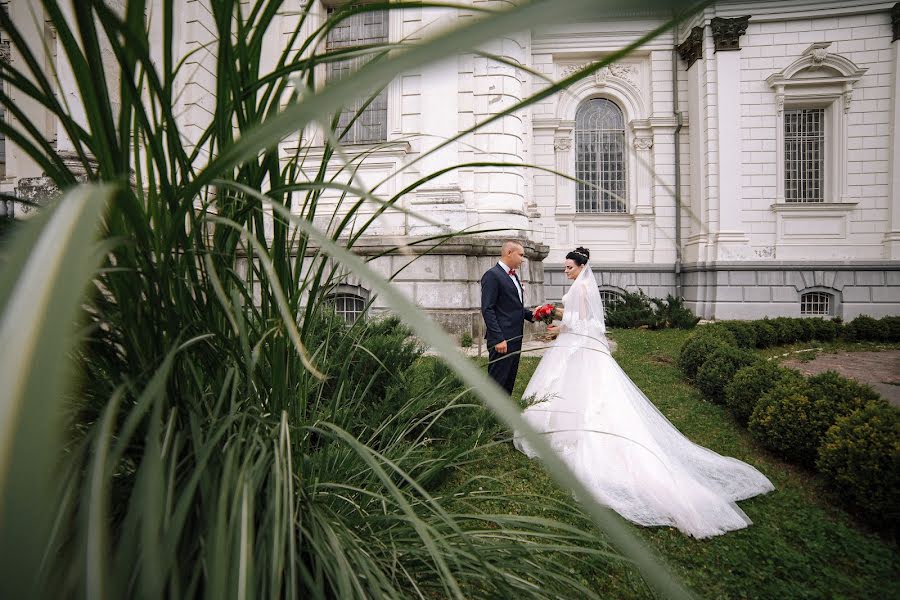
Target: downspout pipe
[[679, 123]]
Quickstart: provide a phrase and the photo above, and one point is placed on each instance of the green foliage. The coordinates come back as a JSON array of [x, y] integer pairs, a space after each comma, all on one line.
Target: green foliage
[[787, 330], [750, 383], [808, 329], [744, 333], [697, 348], [719, 369], [860, 460], [826, 330], [465, 340], [866, 329], [890, 329], [792, 417], [636, 309], [766, 335], [783, 419], [675, 314]]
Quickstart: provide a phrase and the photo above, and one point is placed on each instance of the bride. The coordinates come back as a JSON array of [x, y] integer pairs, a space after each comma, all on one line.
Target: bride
[[630, 457]]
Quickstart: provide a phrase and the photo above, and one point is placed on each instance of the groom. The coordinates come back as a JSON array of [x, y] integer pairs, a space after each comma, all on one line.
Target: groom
[[504, 312]]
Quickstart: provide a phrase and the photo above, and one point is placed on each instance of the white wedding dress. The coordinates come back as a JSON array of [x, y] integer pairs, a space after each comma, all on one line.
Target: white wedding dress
[[630, 457]]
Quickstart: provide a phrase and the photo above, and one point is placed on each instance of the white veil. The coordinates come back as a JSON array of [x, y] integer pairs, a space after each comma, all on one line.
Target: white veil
[[583, 307]]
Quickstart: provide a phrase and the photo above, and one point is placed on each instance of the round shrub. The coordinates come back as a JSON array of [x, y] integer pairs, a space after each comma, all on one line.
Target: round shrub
[[793, 416], [826, 330], [807, 329], [862, 328], [890, 329], [843, 393], [697, 348], [744, 333], [765, 333], [787, 330], [860, 460], [782, 419], [719, 369], [750, 383]]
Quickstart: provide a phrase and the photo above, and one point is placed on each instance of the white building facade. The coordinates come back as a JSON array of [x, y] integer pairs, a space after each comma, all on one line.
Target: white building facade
[[746, 161]]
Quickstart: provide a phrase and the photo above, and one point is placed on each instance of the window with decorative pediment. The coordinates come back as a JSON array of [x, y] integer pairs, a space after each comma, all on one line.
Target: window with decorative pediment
[[600, 157], [364, 118], [813, 96]]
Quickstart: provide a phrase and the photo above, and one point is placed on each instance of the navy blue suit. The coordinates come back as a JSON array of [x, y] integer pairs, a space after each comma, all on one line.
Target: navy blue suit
[[504, 317]]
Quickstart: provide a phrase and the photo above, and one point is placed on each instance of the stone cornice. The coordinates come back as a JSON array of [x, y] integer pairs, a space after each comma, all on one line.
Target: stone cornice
[[691, 49], [727, 32], [792, 265]]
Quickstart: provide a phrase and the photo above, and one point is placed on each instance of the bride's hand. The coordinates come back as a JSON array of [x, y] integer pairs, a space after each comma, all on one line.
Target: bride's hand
[[553, 330]]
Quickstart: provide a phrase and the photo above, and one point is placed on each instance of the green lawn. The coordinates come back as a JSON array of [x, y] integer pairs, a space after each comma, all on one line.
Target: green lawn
[[800, 545]]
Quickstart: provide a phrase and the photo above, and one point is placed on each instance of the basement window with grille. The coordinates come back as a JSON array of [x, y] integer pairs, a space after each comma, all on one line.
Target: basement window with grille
[[610, 297], [816, 304], [349, 307]]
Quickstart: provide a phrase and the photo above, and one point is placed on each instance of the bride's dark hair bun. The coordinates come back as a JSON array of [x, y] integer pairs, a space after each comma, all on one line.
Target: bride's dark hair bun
[[580, 255]]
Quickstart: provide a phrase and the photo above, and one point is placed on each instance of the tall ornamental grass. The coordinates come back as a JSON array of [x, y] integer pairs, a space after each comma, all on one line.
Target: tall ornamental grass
[[181, 415]]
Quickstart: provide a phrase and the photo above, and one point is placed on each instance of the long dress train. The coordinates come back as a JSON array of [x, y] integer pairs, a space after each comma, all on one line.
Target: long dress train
[[630, 457]]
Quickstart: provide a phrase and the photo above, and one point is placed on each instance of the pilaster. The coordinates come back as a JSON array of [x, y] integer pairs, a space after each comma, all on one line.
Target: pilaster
[[892, 237], [731, 241]]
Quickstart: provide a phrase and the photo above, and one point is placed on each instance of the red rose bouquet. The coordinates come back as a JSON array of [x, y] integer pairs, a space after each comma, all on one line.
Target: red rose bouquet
[[544, 313]]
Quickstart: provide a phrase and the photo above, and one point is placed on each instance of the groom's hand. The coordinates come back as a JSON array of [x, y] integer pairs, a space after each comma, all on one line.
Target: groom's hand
[[501, 347]]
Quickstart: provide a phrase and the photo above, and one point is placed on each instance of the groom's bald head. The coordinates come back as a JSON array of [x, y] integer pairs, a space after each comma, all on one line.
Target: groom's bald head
[[512, 253], [508, 247]]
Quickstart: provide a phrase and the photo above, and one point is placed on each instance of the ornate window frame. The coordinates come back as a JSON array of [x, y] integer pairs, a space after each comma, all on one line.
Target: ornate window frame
[[818, 79], [617, 83]]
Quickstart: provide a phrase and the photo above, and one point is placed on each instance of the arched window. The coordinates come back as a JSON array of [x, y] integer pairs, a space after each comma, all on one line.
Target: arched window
[[348, 306], [600, 157], [819, 304]]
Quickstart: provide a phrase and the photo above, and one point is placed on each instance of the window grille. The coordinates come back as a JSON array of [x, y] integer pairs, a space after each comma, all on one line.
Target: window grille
[[349, 307], [600, 157], [361, 29], [610, 298], [804, 155], [815, 303]]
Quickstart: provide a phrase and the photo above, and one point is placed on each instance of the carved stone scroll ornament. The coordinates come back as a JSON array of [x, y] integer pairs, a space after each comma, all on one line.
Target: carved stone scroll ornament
[[727, 32], [626, 72], [562, 143], [691, 49], [643, 143]]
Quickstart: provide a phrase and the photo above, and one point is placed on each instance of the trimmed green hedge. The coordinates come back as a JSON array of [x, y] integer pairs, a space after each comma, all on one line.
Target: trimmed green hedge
[[792, 418], [719, 369], [827, 421], [750, 383], [699, 346], [860, 460]]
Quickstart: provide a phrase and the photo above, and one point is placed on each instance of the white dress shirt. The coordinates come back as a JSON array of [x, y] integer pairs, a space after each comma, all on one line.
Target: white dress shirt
[[514, 280]]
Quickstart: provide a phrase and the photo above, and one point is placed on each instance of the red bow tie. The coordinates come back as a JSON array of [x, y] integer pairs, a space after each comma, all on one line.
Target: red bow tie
[[512, 272]]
